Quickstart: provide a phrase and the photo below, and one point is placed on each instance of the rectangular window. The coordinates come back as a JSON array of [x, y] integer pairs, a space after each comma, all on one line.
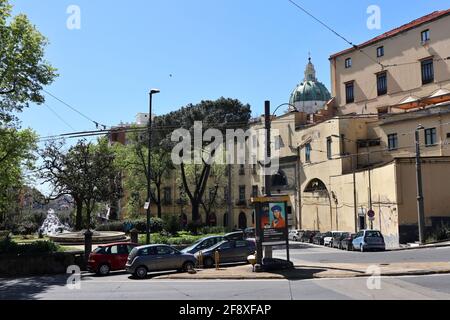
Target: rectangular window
[[425, 35], [427, 71], [241, 193], [329, 144], [430, 137], [348, 63], [279, 143], [382, 83], [255, 191], [393, 141], [167, 195], [349, 92], [380, 51], [242, 170], [308, 152]]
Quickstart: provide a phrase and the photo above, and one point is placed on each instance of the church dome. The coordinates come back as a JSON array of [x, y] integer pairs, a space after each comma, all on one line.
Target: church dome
[[310, 95]]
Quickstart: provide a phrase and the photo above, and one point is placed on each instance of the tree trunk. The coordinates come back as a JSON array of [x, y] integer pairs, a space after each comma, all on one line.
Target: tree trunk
[[158, 203], [195, 212], [79, 215]]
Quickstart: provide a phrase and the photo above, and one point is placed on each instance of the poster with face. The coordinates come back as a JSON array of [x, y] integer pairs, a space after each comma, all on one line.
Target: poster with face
[[277, 216]]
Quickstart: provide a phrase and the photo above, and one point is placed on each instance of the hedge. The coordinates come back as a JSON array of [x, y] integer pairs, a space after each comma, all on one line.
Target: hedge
[[8, 246], [156, 225]]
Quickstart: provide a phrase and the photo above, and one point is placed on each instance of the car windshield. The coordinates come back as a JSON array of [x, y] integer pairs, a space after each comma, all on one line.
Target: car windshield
[[373, 234]]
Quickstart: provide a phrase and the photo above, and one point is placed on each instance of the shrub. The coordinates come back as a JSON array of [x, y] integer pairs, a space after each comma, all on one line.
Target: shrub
[[212, 230], [27, 227], [11, 247], [156, 225], [172, 224]]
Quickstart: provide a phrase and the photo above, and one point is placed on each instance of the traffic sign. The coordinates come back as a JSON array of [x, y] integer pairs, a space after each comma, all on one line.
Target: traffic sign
[[371, 214]]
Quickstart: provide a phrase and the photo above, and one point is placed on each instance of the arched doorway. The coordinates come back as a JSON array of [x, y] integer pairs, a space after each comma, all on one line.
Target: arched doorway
[[225, 219], [212, 219], [242, 221], [317, 208]]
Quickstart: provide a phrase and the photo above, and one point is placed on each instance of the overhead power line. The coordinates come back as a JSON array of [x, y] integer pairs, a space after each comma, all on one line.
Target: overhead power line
[[96, 123], [356, 47]]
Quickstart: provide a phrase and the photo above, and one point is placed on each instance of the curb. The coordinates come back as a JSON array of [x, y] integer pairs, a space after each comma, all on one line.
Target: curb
[[305, 277], [421, 247]]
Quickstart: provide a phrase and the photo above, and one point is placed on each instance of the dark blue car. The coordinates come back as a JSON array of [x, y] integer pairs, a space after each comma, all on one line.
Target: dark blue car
[[203, 244]]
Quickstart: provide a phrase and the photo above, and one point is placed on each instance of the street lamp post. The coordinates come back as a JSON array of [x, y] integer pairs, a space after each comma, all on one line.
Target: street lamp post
[[152, 92], [420, 203]]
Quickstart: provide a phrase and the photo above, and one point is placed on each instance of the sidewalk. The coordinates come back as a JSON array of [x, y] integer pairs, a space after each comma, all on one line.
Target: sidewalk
[[316, 271], [414, 246]]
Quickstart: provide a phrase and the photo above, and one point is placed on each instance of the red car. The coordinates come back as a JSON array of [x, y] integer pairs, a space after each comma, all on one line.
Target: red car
[[110, 257]]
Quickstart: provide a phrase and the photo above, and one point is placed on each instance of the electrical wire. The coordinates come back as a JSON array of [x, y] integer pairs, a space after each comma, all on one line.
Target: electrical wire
[[96, 123], [58, 116], [335, 32]]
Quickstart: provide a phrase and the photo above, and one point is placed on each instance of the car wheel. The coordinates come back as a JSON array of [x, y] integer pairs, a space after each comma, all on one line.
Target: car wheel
[[295, 239], [208, 262], [141, 272], [188, 265], [103, 270]]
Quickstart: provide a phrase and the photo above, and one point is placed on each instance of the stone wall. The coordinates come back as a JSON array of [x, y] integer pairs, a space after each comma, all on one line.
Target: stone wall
[[42, 264]]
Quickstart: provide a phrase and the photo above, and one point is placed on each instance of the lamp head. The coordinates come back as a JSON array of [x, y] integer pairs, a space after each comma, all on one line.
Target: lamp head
[[154, 91]]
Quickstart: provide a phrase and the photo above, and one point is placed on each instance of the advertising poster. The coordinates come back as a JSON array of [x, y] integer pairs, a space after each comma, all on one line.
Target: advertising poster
[[273, 222]]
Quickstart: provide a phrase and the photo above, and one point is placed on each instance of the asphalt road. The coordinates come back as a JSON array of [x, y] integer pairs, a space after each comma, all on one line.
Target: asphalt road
[[121, 287], [312, 253]]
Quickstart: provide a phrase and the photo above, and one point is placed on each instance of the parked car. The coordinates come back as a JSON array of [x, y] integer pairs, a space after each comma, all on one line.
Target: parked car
[[328, 238], [250, 233], [318, 238], [294, 235], [337, 240], [366, 240], [110, 257], [158, 257], [203, 244], [346, 242], [236, 235], [308, 236], [229, 252]]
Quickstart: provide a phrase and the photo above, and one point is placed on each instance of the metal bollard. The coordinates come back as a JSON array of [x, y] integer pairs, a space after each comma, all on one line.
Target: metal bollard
[[217, 259]]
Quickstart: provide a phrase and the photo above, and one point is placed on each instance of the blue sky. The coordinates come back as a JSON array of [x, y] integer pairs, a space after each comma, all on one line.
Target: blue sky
[[252, 50]]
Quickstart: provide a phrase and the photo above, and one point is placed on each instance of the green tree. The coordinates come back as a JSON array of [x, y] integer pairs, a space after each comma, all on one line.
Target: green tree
[[134, 161], [16, 155], [86, 171], [23, 69], [220, 114]]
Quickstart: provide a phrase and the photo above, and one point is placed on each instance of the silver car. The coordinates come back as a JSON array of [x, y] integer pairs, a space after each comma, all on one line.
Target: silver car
[[158, 257]]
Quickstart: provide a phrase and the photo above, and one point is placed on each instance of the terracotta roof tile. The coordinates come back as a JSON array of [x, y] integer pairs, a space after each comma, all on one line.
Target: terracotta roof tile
[[413, 24]]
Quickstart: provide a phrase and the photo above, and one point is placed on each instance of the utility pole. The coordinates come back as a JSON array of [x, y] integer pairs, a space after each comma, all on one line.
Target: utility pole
[[268, 128], [229, 197], [149, 196], [355, 205], [370, 182], [420, 203]]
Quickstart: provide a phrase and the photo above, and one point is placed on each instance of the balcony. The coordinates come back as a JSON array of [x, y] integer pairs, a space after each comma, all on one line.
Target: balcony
[[241, 203]]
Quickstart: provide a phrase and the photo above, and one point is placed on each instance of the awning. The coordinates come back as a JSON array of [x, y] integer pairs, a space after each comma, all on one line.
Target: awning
[[442, 95], [410, 102]]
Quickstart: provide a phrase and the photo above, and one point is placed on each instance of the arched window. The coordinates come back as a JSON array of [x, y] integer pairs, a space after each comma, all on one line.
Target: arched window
[[316, 185], [280, 179]]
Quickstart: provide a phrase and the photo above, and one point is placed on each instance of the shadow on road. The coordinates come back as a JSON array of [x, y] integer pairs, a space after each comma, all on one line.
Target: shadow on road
[[28, 288]]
